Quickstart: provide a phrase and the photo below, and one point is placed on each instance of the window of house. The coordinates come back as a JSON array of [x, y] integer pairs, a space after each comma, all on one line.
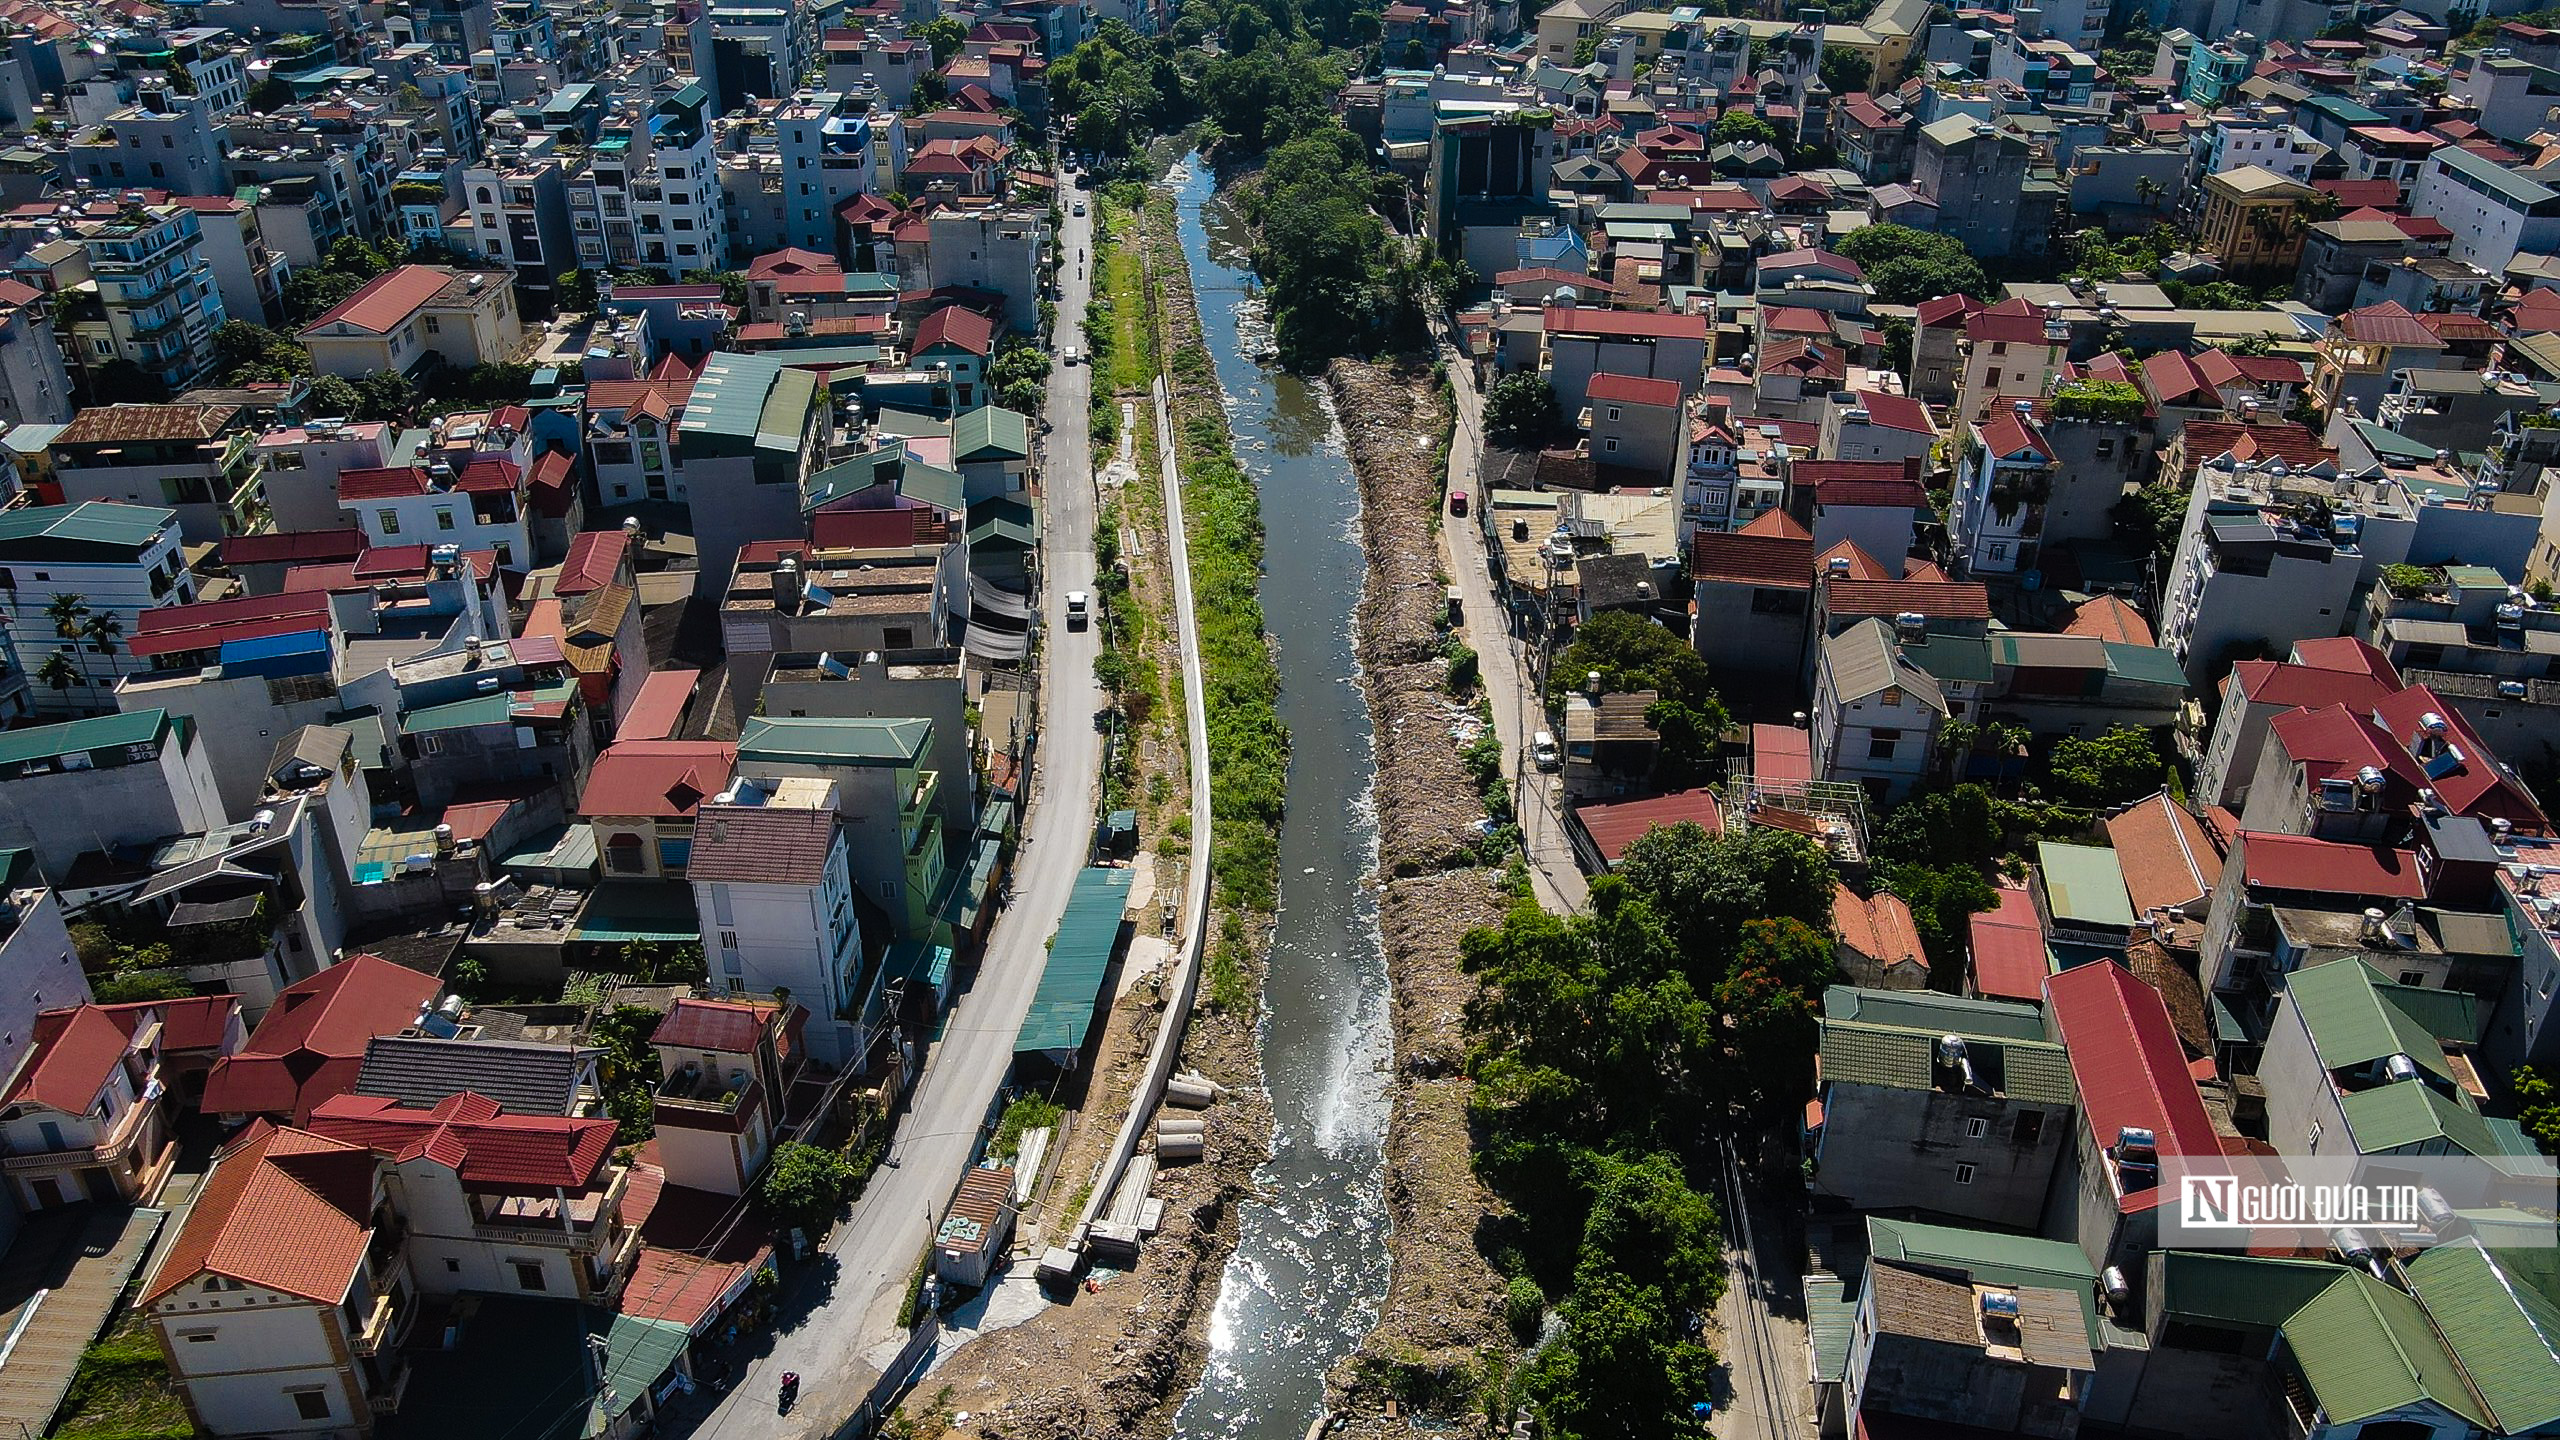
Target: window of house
[[1995, 377], [1976, 1128], [452, 1266], [444, 519], [1892, 695], [311, 1404], [1613, 412], [1882, 743], [1999, 549], [388, 521], [2413, 977], [528, 1275], [1611, 444], [2029, 1128], [1964, 1174], [197, 1337]]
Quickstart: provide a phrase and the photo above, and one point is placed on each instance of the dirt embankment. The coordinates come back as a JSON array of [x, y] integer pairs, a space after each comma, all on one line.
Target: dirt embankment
[[1119, 1360], [1443, 1311]]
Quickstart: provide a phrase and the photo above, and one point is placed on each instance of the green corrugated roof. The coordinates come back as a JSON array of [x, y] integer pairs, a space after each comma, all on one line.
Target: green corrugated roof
[[2233, 1289], [2411, 1112], [1859, 1054], [1000, 528], [621, 911], [638, 1354], [785, 416], [494, 708], [2084, 883], [98, 732], [1829, 1321], [2147, 663], [1929, 1010], [826, 740], [1986, 1258], [2365, 1349], [2355, 1017], [1959, 659], [1079, 955], [893, 421], [2502, 1331], [729, 397], [91, 522], [990, 432]]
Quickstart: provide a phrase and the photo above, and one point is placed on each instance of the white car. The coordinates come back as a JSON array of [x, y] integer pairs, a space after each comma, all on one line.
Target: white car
[[1079, 207], [1079, 607], [1070, 355]]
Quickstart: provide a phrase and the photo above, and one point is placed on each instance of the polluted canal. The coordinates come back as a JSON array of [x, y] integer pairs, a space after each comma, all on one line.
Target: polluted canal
[[1310, 1266]]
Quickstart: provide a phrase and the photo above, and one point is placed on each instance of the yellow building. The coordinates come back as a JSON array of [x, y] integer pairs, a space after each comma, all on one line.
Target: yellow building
[[2253, 220]]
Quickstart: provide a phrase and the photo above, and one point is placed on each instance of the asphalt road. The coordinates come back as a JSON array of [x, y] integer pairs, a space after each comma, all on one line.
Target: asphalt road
[[1504, 661], [873, 1253]]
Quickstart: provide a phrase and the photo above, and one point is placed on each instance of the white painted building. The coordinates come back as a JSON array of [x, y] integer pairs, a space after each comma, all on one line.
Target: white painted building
[[120, 560], [773, 887], [1875, 714]]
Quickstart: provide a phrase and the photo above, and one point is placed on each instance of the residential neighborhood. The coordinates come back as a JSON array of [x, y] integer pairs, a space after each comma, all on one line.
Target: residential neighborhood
[[1140, 717]]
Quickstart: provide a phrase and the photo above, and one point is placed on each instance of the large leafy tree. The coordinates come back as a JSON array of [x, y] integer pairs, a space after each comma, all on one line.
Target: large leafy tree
[[2110, 769], [1709, 886], [1520, 410], [1907, 266], [1631, 653]]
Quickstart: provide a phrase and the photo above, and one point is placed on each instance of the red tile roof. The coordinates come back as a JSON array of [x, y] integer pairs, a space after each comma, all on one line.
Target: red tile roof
[[2009, 961], [1615, 827], [1960, 601], [293, 547], [1861, 565], [2012, 322], [1776, 523], [2166, 854], [1809, 259], [657, 777], [1795, 320], [283, 1210], [2388, 323], [2130, 1068], [1628, 324], [2347, 654], [2323, 867], [74, 1052], [1946, 308], [1785, 562], [386, 302], [2108, 617], [1781, 755], [2294, 443], [729, 1027], [1880, 928], [2173, 379], [2009, 434], [595, 561], [1895, 412], [789, 261], [659, 705], [310, 1044], [210, 624], [956, 326], [469, 1134], [1634, 390], [1858, 482], [2478, 786]]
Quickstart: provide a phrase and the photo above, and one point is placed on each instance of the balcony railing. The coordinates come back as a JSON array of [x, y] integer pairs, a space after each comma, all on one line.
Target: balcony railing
[[110, 1151], [378, 1325]]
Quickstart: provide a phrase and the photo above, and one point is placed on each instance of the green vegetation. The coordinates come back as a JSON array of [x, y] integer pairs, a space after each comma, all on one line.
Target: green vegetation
[[122, 1390], [1907, 266], [1018, 376], [911, 1309], [1026, 1114], [1632, 653], [1120, 88], [1340, 282], [2408, 581], [1520, 410], [629, 1070], [2121, 765], [2115, 401], [2537, 1108], [1610, 1050], [803, 1184], [1741, 127], [2099, 257]]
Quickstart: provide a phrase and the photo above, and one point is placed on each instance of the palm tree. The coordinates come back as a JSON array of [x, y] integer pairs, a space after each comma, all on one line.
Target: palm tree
[[70, 615], [102, 630], [58, 672], [2149, 192]]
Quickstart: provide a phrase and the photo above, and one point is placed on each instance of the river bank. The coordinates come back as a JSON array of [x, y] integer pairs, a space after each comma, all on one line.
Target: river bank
[[1122, 1356], [1441, 1344]]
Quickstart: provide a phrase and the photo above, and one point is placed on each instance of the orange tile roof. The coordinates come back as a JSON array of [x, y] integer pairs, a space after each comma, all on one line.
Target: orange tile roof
[[283, 1210], [387, 300]]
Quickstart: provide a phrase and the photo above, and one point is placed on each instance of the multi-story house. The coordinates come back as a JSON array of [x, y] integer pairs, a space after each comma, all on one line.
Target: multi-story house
[[462, 318], [198, 460], [1976, 174], [1936, 1105], [516, 212], [298, 1339], [760, 48], [481, 505], [160, 299], [2004, 478], [888, 795], [725, 1068], [1001, 251], [492, 1202], [826, 159], [113, 561], [35, 389], [163, 141], [131, 779], [754, 432], [84, 1116], [2495, 212], [249, 274], [641, 798], [1875, 714], [656, 188], [333, 163], [773, 883], [2365, 350], [2252, 220], [2009, 352]]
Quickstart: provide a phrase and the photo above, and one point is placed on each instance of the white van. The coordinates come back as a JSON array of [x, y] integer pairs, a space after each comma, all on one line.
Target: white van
[[1542, 752], [1079, 606]]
